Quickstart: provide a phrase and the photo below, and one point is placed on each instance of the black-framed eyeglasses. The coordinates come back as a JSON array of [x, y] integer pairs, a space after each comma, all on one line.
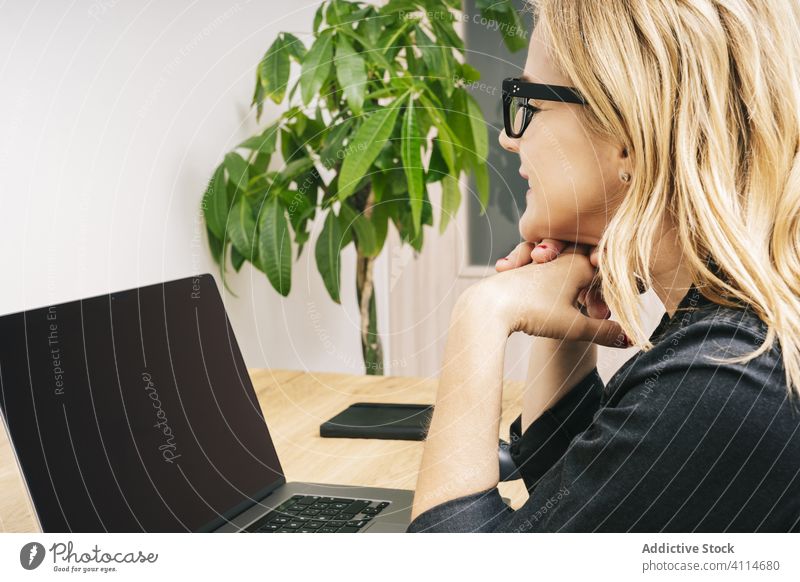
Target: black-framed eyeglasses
[[517, 112]]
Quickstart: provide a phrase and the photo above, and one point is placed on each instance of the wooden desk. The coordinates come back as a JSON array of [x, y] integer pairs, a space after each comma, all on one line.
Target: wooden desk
[[295, 404]]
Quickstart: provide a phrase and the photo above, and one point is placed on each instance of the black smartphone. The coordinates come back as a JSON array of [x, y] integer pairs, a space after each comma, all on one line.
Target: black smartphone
[[380, 420]]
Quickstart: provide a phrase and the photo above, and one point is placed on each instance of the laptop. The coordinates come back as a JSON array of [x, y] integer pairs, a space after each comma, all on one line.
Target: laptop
[[133, 411]]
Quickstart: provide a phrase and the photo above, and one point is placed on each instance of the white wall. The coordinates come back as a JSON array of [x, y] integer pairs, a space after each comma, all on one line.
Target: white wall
[[113, 115]]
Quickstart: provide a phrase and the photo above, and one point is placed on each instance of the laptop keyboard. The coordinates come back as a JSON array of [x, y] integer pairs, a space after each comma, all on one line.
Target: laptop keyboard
[[316, 514]]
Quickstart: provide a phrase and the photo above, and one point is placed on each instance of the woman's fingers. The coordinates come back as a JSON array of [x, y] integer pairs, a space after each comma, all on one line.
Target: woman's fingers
[[521, 255], [547, 250], [605, 332], [595, 306]]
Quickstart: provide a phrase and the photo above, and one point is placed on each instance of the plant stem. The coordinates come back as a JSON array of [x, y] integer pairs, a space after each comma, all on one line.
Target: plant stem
[[371, 347]]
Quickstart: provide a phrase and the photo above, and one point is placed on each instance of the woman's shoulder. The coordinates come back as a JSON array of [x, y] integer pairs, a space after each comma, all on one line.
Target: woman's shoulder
[[687, 352]]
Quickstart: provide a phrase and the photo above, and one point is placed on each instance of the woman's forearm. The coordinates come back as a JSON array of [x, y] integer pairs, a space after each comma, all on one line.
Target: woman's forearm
[[460, 453], [554, 368]]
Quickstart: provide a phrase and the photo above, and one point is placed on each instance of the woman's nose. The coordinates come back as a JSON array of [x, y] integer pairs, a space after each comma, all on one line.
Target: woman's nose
[[507, 143]]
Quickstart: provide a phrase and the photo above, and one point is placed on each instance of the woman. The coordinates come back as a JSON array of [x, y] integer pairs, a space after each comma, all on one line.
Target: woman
[[668, 159]]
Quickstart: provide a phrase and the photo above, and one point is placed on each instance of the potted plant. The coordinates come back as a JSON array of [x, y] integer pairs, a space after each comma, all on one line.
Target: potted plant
[[380, 90]]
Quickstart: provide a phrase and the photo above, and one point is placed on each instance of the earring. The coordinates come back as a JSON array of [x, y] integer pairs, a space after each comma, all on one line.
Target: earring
[[625, 176]]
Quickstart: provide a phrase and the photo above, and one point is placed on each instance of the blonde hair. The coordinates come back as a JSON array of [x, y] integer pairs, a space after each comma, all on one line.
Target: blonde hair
[[705, 95]]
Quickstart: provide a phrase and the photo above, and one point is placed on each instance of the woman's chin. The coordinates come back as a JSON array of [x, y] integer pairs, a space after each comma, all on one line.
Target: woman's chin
[[531, 232]]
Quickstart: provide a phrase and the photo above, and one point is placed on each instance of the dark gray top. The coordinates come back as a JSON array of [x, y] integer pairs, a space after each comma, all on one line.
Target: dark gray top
[[675, 442]]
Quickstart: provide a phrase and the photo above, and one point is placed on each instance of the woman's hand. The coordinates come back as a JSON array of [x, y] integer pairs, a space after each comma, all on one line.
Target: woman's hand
[[547, 250], [541, 299]]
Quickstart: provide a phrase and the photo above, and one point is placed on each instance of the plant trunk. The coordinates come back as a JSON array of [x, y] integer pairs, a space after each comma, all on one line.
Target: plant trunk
[[371, 348]]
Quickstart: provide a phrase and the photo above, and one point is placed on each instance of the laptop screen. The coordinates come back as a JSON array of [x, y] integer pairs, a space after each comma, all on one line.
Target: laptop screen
[[134, 412]]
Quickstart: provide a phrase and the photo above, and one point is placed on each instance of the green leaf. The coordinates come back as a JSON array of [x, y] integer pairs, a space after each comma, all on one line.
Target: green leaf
[[318, 18], [438, 61], [469, 73], [241, 228], [398, 6], [316, 66], [437, 167], [307, 131], [215, 203], [365, 232], [295, 168], [258, 95], [478, 127], [508, 22], [445, 139], [291, 149], [380, 224], [237, 259], [365, 147], [370, 26], [336, 10], [351, 73], [295, 47], [372, 54], [274, 246], [300, 209], [442, 24], [427, 208], [461, 125], [390, 45], [238, 173], [412, 162], [216, 247], [264, 142], [333, 141], [451, 200], [327, 254], [380, 184], [274, 70]]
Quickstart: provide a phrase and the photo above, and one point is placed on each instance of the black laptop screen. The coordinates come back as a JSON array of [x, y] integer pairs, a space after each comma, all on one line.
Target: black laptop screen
[[133, 411]]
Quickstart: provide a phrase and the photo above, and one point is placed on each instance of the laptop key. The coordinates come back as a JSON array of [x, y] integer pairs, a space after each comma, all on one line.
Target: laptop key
[[269, 527], [337, 500], [357, 506], [329, 512], [280, 519], [327, 530], [294, 524], [348, 529], [316, 524], [382, 504], [346, 516], [358, 523]]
